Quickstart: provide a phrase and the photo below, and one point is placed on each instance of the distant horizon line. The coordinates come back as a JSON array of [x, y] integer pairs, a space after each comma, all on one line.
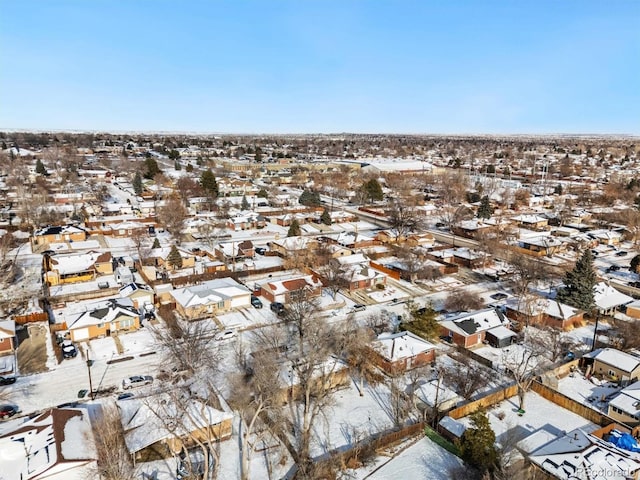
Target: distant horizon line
[[302, 134]]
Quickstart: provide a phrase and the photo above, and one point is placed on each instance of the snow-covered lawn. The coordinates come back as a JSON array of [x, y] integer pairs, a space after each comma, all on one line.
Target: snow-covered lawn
[[118, 242], [388, 294], [102, 348], [352, 417], [424, 460], [586, 392], [540, 414], [138, 342], [244, 318]]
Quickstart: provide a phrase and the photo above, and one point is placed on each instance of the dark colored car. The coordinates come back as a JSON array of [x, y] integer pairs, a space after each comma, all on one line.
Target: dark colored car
[[124, 396], [261, 250], [255, 301], [613, 268], [277, 307], [69, 350], [7, 411], [7, 380], [358, 307], [621, 254], [499, 296]]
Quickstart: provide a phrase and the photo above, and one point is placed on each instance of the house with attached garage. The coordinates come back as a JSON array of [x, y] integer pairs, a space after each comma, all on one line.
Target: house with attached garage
[[103, 318], [57, 234], [55, 445], [471, 328], [211, 297]]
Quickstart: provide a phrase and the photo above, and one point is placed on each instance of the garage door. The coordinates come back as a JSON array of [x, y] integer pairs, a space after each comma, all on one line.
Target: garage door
[[241, 301], [80, 334]]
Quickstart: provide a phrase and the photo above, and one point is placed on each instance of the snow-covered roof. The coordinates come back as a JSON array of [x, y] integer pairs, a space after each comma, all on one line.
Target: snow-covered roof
[[294, 284], [397, 346], [155, 418], [104, 311], [39, 444], [79, 262], [58, 230], [615, 358], [502, 332], [212, 291], [435, 391], [7, 329], [474, 322], [529, 218], [607, 297]]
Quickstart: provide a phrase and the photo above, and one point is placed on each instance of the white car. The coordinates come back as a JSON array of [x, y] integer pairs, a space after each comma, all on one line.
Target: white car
[[226, 335], [136, 381]]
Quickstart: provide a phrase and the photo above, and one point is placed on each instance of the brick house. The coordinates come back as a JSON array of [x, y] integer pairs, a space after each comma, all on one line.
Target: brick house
[[281, 291], [398, 352], [469, 329]]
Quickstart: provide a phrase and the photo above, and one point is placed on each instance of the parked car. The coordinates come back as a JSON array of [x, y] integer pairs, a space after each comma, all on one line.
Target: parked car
[[124, 396], [594, 252], [8, 411], [499, 296], [634, 284], [256, 302], [277, 307], [69, 350], [613, 268], [225, 335], [358, 307], [621, 253], [136, 381], [260, 250], [7, 380]]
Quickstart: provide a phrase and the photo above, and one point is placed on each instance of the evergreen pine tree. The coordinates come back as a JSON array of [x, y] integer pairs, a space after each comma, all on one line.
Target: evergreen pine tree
[[372, 190], [137, 184], [309, 198], [174, 259], [245, 203], [477, 444], [40, 170], [635, 263], [294, 229], [325, 217], [152, 168], [262, 193], [579, 284], [156, 244], [485, 210], [422, 321], [208, 183]]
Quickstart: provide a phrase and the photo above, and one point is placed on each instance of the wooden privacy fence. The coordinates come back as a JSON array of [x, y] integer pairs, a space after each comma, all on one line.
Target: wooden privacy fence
[[484, 402], [572, 405], [31, 318]]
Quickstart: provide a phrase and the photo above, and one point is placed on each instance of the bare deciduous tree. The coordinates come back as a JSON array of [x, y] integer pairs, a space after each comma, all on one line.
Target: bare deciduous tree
[[466, 377], [335, 277], [461, 300], [172, 215], [114, 460]]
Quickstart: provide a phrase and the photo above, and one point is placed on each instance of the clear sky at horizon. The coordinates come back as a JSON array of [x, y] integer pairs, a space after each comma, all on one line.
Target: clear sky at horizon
[[312, 66]]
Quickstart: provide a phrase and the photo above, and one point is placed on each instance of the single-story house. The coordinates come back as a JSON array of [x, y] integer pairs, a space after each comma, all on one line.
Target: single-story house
[[211, 297], [607, 298], [281, 290], [103, 318], [543, 311], [159, 426], [56, 444], [532, 222], [613, 364], [8, 339], [470, 328], [232, 251], [76, 267], [402, 351], [625, 407], [292, 246], [56, 234], [159, 257]]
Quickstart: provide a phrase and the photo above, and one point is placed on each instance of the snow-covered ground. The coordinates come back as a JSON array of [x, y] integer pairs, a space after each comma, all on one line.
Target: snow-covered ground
[[424, 460], [540, 414], [588, 393]]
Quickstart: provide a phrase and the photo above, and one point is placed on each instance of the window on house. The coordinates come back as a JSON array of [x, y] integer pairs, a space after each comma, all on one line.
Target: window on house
[[100, 325], [128, 323], [612, 373]]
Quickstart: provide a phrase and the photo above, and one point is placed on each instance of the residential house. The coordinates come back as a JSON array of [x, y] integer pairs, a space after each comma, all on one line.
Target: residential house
[[633, 309], [390, 236], [103, 318], [469, 329], [159, 258], [283, 290], [139, 293], [579, 455], [233, 251], [531, 222], [625, 407], [544, 311], [56, 234], [293, 246], [543, 245], [54, 445], [211, 297], [126, 228], [434, 393], [606, 237], [357, 271], [246, 221], [608, 299], [399, 352], [76, 267], [163, 425], [613, 364], [7, 337]]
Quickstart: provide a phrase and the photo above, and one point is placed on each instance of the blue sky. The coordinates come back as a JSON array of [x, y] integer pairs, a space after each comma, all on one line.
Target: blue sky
[[307, 66]]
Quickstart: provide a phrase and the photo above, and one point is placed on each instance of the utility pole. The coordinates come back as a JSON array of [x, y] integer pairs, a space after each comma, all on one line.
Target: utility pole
[[89, 364]]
